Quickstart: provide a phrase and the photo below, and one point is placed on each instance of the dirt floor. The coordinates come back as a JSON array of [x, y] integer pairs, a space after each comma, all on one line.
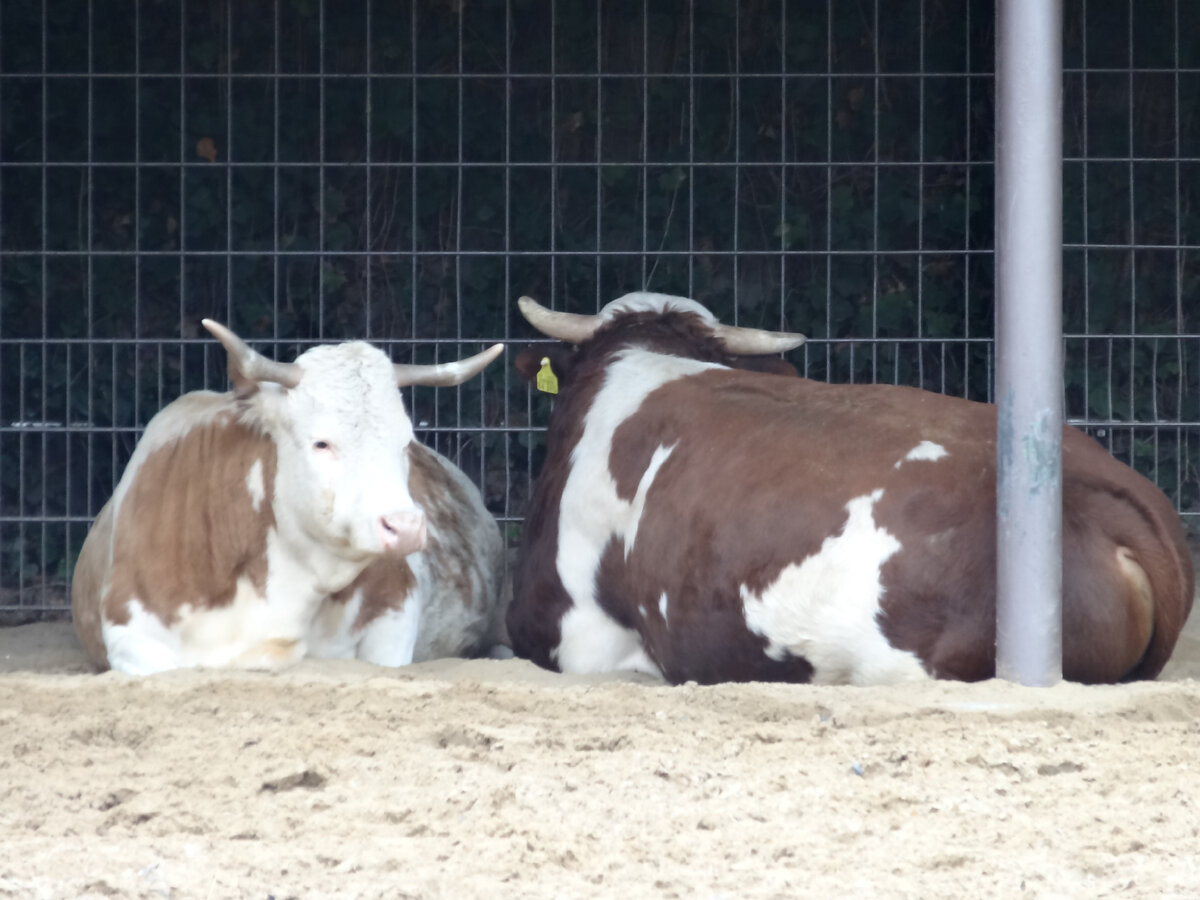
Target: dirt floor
[[483, 778]]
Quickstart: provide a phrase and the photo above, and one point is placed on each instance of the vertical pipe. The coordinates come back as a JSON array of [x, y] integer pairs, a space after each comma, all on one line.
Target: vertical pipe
[[1029, 340]]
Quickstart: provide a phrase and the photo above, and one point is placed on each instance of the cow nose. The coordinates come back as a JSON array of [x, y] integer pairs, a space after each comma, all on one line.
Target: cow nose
[[403, 532]]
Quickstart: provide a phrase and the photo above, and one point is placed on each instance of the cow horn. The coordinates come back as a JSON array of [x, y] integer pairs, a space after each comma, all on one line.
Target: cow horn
[[446, 374], [570, 327], [756, 342], [248, 368]]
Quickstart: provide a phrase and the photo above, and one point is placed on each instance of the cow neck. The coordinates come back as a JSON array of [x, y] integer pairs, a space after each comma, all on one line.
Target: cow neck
[[678, 334]]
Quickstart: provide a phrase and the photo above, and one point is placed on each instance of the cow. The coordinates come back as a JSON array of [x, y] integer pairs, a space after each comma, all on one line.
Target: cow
[[293, 515], [701, 522]]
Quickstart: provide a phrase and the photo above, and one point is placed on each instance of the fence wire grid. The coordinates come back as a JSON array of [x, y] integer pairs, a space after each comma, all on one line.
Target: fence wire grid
[[311, 171]]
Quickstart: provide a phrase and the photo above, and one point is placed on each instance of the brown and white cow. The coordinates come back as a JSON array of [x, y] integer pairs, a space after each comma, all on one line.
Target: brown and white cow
[[703, 522], [294, 514]]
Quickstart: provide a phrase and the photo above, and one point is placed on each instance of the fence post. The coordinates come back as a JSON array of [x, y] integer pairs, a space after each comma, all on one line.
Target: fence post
[[1029, 365]]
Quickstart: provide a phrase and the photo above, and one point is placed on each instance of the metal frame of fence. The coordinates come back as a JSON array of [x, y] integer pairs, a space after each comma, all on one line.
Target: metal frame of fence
[[605, 202]]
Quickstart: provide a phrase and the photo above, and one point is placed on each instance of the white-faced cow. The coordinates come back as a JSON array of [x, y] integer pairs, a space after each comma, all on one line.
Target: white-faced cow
[[294, 514], [703, 522]]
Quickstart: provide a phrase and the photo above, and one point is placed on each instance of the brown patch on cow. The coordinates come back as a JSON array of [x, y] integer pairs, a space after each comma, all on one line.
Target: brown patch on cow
[[386, 584], [771, 365], [87, 587], [704, 636], [187, 530], [632, 450]]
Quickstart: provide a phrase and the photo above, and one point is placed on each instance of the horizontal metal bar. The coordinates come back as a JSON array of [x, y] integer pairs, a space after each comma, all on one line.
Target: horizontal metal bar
[[202, 341], [86, 428], [136, 431], [406, 254], [491, 76], [1152, 424], [577, 76], [417, 342], [1130, 246], [585, 254], [589, 254], [613, 163], [86, 520]]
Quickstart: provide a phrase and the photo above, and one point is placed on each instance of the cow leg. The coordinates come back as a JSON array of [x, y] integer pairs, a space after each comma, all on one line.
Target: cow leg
[[271, 655], [391, 638], [592, 642], [134, 652]]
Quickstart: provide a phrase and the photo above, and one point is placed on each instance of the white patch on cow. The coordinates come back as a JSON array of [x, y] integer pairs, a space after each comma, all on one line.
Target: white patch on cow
[[591, 513], [593, 642], [391, 638], [647, 301], [253, 631], [926, 451], [639, 498], [245, 633], [332, 634], [642, 610], [826, 607], [662, 607], [254, 484], [142, 646]]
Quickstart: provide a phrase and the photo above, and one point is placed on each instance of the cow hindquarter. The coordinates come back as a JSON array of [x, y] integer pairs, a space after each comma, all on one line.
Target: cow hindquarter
[[197, 574], [1127, 575], [92, 571], [462, 568]]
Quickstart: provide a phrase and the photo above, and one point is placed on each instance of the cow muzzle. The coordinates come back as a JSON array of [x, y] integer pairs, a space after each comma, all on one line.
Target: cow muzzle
[[403, 532]]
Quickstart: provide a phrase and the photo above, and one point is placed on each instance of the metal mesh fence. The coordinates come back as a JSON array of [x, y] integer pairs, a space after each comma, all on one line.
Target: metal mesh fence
[[309, 171]]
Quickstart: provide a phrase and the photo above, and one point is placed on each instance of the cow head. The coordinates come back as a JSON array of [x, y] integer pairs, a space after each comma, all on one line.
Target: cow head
[[676, 325], [341, 435]]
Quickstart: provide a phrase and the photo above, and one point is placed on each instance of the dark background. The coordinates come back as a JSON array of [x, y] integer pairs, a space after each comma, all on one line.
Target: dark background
[[403, 171]]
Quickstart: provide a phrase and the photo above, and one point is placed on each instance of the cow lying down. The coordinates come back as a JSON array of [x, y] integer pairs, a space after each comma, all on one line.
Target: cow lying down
[[293, 515], [703, 522]]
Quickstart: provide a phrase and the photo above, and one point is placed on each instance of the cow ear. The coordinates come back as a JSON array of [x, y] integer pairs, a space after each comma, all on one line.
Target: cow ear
[[529, 360], [247, 368]]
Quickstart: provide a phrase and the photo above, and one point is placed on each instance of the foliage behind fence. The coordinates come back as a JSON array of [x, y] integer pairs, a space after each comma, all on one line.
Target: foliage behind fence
[[402, 171]]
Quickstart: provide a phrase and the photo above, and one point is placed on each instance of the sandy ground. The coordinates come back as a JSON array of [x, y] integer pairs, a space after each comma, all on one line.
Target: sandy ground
[[483, 778]]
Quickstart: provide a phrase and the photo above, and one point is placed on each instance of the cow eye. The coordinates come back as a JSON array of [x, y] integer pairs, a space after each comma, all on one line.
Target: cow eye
[[321, 445]]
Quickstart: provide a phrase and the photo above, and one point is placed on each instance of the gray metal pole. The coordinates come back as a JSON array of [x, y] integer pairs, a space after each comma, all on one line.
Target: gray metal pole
[[1029, 366]]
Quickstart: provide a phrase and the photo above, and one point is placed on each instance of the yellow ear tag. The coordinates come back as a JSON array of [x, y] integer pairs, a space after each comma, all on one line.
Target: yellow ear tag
[[547, 381]]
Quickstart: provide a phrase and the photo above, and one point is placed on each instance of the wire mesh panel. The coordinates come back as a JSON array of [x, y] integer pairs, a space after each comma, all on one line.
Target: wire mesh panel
[[312, 171]]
